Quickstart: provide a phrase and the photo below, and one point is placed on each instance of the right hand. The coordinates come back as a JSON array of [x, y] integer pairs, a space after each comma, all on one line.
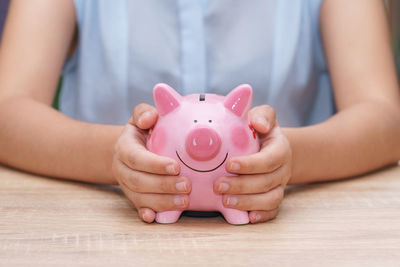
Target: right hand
[[150, 181]]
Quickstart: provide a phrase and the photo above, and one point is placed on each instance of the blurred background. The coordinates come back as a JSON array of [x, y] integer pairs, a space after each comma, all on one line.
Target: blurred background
[[3, 12], [394, 17], [393, 7]]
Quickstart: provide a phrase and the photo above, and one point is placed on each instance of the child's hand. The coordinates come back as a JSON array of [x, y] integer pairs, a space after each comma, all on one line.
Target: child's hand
[[148, 180], [263, 176]]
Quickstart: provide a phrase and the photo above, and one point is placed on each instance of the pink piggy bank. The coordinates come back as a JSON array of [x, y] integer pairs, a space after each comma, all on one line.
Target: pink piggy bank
[[202, 131]]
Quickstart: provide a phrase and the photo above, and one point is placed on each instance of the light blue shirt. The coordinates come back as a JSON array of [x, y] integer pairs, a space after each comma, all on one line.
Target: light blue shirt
[[125, 47]]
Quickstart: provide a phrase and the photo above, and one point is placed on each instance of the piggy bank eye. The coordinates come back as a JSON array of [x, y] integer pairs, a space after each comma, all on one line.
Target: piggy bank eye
[[210, 121], [195, 121]]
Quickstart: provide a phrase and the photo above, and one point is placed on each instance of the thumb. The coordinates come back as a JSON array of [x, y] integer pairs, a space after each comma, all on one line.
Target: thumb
[[262, 118], [144, 116]]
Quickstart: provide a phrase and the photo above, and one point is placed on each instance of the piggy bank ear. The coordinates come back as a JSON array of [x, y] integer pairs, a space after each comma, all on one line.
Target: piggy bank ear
[[166, 99], [239, 100]]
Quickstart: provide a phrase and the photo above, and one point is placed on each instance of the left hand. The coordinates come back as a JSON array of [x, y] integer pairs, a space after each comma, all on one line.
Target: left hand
[[263, 176]]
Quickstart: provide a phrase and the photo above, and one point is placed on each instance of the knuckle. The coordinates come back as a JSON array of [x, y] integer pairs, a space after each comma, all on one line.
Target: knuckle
[[275, 165], [134, 183], [238, 186], [245, 165], [166, 186], [287, 172], [267, 185], [277, 197], [167, 204], [170, 204], [275, 162], [136, 199], [132, 159]]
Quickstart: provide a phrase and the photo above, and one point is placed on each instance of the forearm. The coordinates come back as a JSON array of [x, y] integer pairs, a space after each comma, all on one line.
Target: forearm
[[39, 139], [358, 139]]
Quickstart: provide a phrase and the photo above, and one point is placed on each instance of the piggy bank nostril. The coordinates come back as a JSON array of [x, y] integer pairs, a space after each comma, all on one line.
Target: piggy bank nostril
[[203, 144]]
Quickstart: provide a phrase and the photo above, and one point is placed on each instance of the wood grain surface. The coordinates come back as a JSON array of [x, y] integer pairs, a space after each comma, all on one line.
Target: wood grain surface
[[47, 222]]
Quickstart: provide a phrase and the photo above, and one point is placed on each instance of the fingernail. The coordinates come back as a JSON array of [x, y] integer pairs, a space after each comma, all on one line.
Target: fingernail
[[146, 217], [181, 186], [231, 201], [171, 169], [235, 166], [223, 187], [263, 121], [256, 217], [144, 115], [179, 201]]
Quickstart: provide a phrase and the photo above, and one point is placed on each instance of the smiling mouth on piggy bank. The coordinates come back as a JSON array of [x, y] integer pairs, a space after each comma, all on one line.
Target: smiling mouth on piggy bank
[[197, 170]]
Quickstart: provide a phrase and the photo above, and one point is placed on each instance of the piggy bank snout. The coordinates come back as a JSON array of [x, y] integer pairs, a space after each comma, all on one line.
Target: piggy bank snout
[[203, 144]]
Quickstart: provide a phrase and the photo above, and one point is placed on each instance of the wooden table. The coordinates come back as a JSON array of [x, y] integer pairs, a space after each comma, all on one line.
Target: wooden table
[[54, 222]]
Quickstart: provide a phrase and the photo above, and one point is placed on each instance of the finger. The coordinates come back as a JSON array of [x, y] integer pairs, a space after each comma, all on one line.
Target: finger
[[137, 157], [259, 216], [264, 201], [143, 182], [253, 183], [144, 116], [262, 118], [134, 154], [156, 202], [147, 215], [269, 158]]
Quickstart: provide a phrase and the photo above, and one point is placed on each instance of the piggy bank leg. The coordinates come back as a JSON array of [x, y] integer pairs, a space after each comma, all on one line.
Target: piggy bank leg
[[234, 216], [168, 216]]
